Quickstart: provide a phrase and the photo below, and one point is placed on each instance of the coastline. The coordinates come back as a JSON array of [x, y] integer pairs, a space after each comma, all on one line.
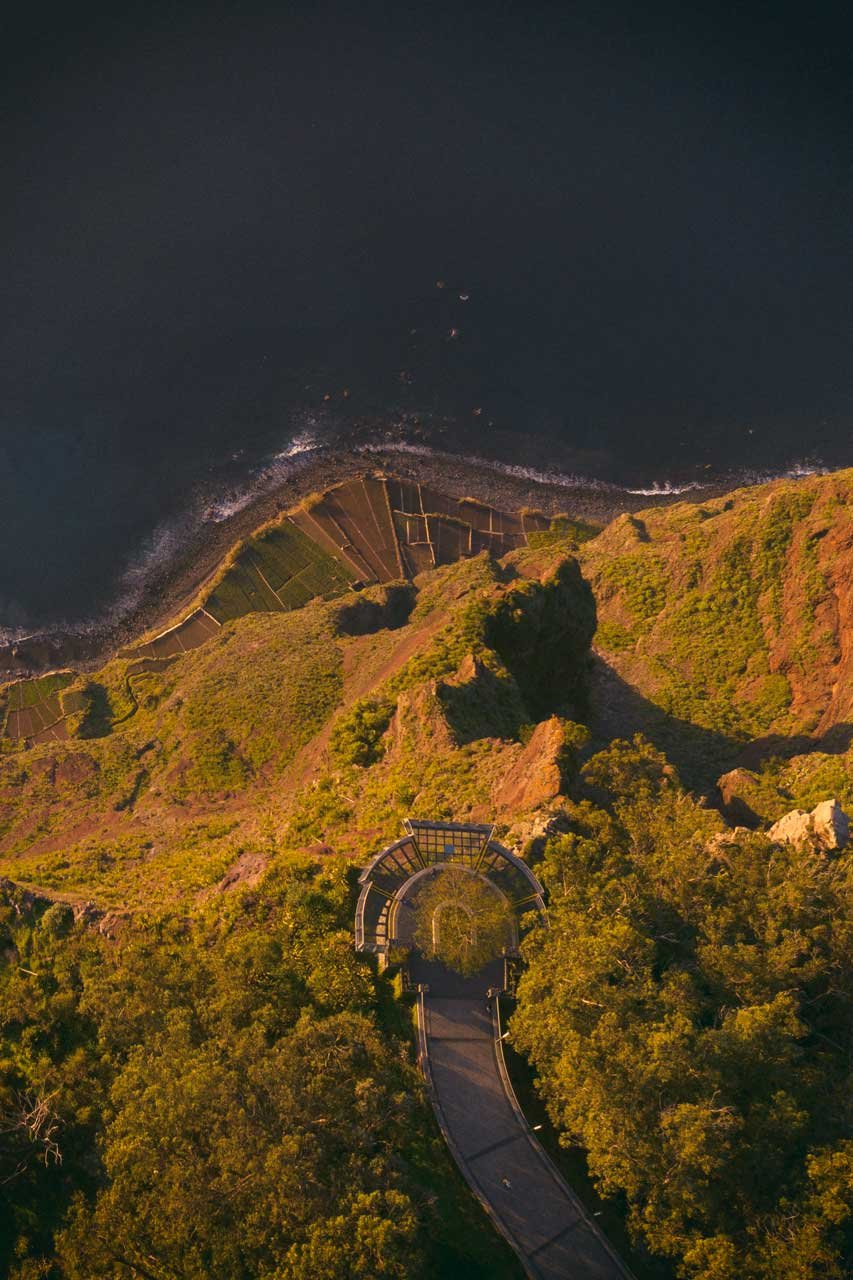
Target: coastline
[[172, 585]]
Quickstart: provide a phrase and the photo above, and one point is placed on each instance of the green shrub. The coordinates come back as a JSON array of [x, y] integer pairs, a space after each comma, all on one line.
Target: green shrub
[[641, 579], [357, 736]]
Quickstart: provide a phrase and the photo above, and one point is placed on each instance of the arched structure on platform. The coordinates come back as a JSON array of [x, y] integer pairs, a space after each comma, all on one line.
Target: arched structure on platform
[[425, 849]]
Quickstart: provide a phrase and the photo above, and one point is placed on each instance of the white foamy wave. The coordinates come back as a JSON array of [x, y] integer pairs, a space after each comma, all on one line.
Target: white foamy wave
[[305, 442], [164, 543], [667, 489], [159, 548], [567, 480], [560, 479], [796, 471], [225, 508], [294, 456], [11, 635]]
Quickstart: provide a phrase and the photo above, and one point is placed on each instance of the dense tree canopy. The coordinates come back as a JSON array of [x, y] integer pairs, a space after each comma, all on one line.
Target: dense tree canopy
[[223, 1095], [689, 1015]]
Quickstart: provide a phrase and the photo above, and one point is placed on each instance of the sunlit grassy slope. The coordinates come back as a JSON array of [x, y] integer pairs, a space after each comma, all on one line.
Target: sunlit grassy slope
[[718, 624]]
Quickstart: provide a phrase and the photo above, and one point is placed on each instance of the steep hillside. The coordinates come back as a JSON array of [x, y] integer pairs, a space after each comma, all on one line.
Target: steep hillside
[[724, 634], [730, 622], [255, 742]]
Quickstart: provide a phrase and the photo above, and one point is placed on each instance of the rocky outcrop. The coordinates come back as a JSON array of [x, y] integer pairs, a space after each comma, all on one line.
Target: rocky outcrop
[[480, 702], [419, 722], [739, 796], [246, 871], [827, 826], [535, 779]]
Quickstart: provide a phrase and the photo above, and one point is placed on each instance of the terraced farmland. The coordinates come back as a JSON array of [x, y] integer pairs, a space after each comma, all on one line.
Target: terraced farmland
[[375, 529], [365, 531], [34, 709], [277, 570]]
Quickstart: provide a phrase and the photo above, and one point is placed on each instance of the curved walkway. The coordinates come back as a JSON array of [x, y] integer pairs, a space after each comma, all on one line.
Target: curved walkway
[[504, 1164]]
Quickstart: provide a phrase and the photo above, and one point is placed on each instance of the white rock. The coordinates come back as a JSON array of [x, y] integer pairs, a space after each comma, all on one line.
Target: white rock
[[831, 824], [827, 826], [794, 828]]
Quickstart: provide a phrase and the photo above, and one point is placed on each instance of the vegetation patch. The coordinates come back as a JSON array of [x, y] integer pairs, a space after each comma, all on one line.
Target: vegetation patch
[[563, 533], [688, 1019], [278, 569], [226, 1095], [641, 580]]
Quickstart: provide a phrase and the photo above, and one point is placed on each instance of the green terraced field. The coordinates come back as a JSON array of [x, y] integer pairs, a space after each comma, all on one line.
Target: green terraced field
[[28, 693], [278, 569]]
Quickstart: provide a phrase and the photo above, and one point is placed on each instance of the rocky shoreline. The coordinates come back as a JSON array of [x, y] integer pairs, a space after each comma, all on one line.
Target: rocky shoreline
[[172, 586]]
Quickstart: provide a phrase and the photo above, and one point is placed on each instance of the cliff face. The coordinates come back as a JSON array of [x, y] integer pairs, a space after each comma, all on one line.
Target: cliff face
[[209, 809], [733, 617]]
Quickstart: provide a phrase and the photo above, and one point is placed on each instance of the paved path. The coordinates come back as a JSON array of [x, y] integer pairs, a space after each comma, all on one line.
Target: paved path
[[527, 1199]]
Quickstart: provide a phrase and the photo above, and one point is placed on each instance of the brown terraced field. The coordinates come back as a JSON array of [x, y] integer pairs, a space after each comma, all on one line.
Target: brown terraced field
[[34, 710], [369, 530]]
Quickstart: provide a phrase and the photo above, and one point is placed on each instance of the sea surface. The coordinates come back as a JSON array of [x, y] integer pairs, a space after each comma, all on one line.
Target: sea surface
[[91, 512], [610, 244]]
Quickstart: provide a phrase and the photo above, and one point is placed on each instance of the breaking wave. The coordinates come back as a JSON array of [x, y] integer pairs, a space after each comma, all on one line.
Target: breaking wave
[[570, 480], [558, 479], [666, 489], [796, 471], [163, 544], [290, 459]]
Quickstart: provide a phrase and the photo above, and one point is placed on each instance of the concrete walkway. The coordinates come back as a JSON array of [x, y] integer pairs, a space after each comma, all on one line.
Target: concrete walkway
[[507, 1169]]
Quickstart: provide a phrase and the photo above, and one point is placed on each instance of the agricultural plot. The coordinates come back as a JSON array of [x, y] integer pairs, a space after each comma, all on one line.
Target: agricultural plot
[[415, 544], [374, 529], [356, 519], [434, 529], [189, 634], [34, 709], [372, 517], [277, 570]]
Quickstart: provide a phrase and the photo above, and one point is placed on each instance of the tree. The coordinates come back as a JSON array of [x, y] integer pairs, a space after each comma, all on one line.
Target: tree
[[371, 1240], [688, 1015], [220, 1158], [461, 920]]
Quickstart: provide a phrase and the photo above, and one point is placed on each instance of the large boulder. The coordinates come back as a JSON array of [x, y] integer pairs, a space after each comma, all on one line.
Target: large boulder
[[831, 824], [826, 826], [740, 797]]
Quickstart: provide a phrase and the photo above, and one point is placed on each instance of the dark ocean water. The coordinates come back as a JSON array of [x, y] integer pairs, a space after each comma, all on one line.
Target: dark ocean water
[[226, 231], [90, 513]]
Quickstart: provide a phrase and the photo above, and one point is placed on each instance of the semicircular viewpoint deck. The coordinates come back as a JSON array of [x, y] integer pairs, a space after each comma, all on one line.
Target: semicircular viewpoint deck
[[461, 1054]]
